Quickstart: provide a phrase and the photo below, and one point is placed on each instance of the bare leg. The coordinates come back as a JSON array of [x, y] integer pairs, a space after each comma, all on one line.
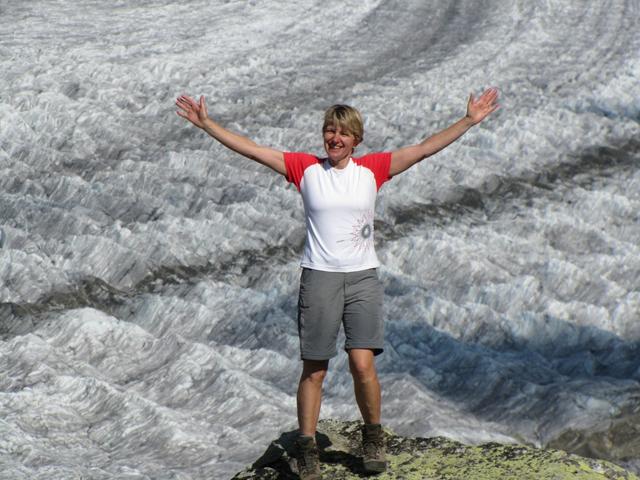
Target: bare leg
[[310, 395], [365, 383]]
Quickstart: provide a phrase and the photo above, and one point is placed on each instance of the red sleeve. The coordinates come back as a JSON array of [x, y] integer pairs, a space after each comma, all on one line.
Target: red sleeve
[[379, 164], [296, 163]]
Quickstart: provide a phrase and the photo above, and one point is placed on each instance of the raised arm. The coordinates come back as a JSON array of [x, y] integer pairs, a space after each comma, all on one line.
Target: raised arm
[[196, 113], [477, 110]]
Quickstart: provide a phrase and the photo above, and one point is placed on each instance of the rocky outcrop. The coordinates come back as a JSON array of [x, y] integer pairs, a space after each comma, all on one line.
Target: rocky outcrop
[[429, 459], [617, 441]]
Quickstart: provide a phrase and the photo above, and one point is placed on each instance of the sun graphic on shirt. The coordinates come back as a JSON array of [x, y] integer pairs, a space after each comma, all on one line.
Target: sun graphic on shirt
[[361, 233]]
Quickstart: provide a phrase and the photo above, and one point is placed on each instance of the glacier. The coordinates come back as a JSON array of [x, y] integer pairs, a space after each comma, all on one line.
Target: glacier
[[149, 276]]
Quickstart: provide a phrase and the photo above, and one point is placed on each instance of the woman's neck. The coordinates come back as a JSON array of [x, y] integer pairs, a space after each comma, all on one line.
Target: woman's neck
[[341, 163]]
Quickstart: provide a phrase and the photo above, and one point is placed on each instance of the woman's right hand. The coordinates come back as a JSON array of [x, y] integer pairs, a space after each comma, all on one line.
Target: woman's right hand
[[193, 111]]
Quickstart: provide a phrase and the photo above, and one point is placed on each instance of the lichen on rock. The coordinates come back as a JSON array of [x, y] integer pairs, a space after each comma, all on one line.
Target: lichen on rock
[[428, 459]]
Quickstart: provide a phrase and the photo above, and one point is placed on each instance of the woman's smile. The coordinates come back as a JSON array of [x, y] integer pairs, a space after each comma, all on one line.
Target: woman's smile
[[338, 144]]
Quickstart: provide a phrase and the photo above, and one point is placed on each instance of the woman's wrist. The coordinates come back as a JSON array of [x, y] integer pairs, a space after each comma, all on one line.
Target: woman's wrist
[[468, 121], [207, 124]]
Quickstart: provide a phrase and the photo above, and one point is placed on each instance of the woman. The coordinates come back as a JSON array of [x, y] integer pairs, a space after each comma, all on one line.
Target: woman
[[339, 283]]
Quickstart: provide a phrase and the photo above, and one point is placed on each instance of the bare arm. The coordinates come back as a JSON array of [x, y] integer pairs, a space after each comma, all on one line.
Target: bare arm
[[196, 113], [477, 110]]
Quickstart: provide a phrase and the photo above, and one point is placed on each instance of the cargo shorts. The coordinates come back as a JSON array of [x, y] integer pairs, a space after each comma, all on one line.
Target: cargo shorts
[[329, 299]]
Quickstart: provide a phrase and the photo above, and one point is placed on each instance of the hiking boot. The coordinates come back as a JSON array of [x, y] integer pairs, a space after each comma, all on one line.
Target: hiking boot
[[373, 454], [308, 458]]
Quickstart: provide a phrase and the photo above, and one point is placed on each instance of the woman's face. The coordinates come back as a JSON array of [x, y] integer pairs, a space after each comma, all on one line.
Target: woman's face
[[338, 143]]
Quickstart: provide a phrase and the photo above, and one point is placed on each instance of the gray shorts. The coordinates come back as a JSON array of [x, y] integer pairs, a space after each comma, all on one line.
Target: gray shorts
[[328, 299]]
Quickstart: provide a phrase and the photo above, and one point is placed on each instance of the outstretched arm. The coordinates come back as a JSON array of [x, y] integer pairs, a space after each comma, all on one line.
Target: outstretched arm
[[196, 113], [477, 110]]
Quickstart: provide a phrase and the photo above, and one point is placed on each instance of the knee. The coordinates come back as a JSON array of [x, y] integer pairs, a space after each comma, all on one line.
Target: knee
[[362, 369], [314, 372], [317, 376]]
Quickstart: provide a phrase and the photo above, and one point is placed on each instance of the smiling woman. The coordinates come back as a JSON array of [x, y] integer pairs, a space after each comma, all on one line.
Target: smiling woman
[[339, 283], [342, 130]]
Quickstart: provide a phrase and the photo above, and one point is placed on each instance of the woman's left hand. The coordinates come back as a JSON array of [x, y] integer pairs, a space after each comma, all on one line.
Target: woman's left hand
[[479, 108]]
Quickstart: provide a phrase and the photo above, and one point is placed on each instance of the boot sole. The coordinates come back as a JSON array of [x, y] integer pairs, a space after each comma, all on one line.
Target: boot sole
[[375, 466], [315, 476]]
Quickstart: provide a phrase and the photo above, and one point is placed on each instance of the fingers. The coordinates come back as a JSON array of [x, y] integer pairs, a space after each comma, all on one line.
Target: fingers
[[188, 108], [183, 99], [486, 103], [186, 102], [490, 95], [480, 107], [183, 103]]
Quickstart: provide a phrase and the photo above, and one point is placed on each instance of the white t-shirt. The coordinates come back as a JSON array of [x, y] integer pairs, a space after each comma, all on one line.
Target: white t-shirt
[[339, 206]]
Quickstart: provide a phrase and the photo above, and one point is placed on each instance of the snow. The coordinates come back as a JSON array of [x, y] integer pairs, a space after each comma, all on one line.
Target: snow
[[149, 276]]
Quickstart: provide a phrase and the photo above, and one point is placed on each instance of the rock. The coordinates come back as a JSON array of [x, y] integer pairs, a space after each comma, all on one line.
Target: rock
[[618, 441], [428, 459]]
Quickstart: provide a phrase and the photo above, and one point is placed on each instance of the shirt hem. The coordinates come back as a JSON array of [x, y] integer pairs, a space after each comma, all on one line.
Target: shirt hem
[[330, 268]]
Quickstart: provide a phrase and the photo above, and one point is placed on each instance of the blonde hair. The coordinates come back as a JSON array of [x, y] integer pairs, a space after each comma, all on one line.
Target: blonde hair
[[345, 117]]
